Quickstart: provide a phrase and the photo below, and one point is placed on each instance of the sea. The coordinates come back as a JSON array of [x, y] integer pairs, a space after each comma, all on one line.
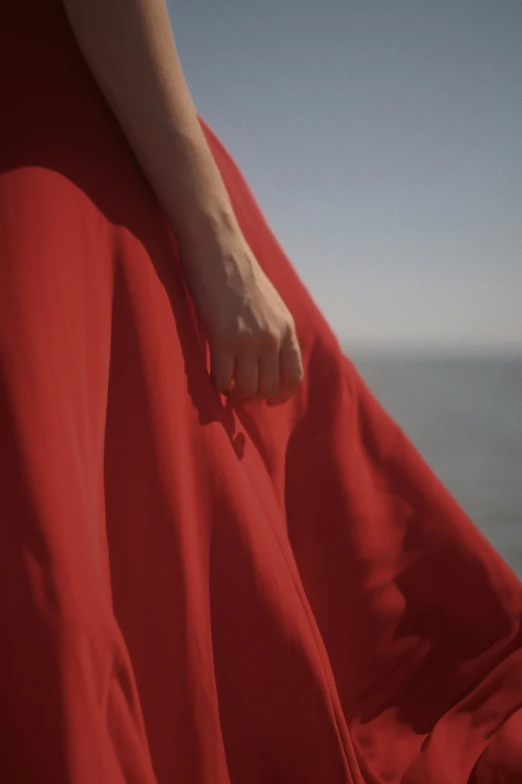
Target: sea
[[464, 414]]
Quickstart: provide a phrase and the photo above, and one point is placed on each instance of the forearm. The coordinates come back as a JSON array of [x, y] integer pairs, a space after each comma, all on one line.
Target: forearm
[[130, 50]]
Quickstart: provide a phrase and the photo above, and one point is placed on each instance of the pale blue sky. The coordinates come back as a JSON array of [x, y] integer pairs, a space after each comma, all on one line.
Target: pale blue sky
[[383, 141]]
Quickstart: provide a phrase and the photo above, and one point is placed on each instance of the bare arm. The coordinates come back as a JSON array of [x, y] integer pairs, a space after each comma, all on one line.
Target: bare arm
[[130, 50]]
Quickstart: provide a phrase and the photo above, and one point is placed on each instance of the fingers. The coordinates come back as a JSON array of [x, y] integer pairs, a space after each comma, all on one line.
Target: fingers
[[291, 364], [223, 362], [273, 374], [269, 375], [247, 375]]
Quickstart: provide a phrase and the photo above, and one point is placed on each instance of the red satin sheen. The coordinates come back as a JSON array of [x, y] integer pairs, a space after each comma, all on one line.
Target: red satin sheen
[[193, 593]]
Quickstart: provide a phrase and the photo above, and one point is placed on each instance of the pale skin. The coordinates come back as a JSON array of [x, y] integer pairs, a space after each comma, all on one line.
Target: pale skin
[[130, 50]]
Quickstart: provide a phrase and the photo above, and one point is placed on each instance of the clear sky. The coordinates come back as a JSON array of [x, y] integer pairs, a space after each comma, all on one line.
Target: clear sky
[[383, 141]]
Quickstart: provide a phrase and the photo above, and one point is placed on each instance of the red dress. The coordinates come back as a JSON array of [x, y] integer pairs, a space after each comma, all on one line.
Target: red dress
[[189, 592]]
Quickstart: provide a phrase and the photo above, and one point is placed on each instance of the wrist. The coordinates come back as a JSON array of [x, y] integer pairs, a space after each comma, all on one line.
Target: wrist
[[210, 232]]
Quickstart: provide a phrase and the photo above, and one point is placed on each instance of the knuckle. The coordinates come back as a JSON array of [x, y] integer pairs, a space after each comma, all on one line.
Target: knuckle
[[290, 324], [270, 340]]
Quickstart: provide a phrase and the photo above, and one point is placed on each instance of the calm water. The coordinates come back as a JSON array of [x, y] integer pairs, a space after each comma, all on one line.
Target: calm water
[[464, 414]]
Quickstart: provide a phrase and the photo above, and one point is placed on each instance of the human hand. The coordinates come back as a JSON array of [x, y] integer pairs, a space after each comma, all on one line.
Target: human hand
[[252, 337]]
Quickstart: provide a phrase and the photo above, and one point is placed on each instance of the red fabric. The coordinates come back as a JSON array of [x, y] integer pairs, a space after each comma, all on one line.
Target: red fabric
[[501, 761], [192, 593]]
